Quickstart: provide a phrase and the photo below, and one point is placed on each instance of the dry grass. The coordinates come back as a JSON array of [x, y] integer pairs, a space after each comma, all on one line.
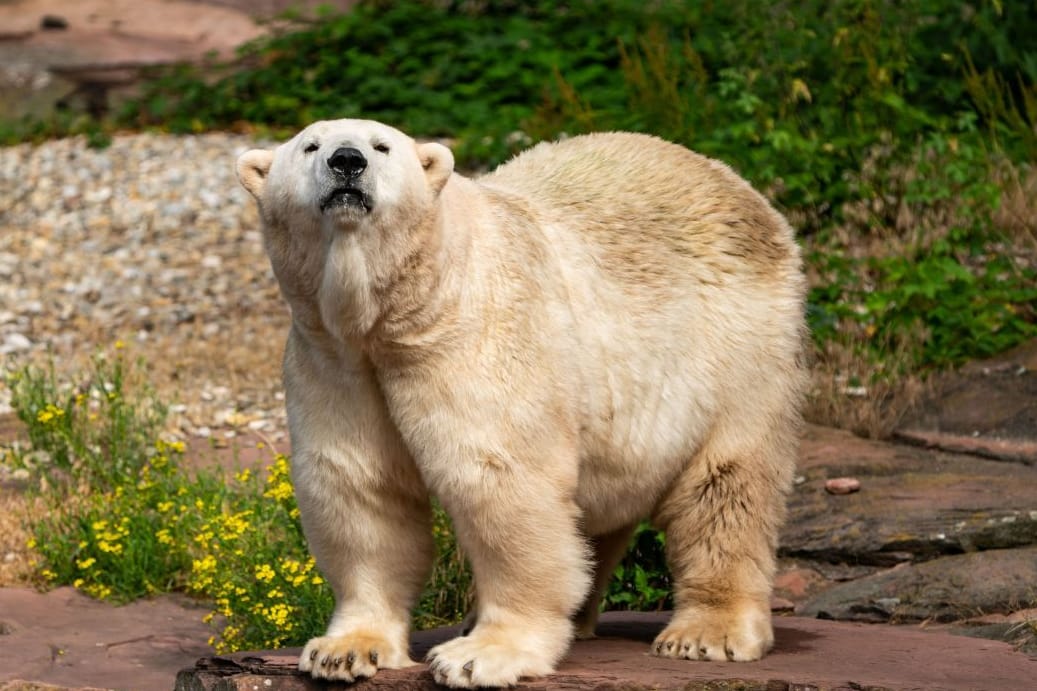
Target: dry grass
[[847, 392], [16, 512], [1018, 212]]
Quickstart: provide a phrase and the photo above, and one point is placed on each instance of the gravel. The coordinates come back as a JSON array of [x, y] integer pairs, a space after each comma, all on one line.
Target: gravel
[[150, 242]]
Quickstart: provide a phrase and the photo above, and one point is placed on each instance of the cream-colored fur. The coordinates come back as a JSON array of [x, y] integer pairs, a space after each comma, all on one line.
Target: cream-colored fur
[[604, 329]]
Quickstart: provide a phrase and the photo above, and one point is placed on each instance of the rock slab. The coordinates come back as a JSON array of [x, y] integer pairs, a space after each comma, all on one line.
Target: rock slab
[[914, 504], [67, 639], [949, 589], [988, 408], [808, 654]]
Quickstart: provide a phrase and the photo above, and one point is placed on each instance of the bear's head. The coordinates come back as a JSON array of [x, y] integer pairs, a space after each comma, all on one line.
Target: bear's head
[[345, 174], [344, 204]]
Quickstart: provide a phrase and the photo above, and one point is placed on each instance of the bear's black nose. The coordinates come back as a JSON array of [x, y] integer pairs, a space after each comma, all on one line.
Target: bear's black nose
[[347, 161]]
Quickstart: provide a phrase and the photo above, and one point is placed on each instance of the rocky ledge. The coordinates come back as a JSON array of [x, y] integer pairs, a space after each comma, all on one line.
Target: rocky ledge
[[809, 654]]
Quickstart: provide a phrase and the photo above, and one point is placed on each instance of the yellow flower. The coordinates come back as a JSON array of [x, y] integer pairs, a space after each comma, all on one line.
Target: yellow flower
[[86, 563], [278, 615], [264, 573], [280, 491], [119, 345], [78, 583], [163, 537], [49, 413], [48, 574], [316, 580], [244, 475], [31, 543], [101, 592], [110, 547], [164, 506]]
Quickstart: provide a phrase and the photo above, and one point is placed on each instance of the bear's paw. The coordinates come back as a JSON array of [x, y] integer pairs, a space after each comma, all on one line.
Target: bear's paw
[[356, 655], [491, 657], [739, 634]]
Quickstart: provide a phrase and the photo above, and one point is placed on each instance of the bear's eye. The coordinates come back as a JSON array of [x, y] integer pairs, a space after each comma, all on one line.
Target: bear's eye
[[311, 147], [381, 148]]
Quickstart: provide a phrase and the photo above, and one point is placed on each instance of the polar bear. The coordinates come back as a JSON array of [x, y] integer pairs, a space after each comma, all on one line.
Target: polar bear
[[604, 329]]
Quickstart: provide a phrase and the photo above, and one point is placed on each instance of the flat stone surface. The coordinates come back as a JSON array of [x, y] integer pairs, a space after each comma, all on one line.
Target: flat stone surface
[[808, 653], [65, 638], [946, 589], [106, 41], [988, 408], [913, 504]]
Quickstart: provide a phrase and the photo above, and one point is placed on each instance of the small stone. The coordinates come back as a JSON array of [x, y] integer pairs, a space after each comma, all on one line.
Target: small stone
[[15, 342], [842, 485]]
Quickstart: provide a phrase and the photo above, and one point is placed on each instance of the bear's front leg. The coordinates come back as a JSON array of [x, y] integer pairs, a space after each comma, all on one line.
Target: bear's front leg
[[364, 510], [518, 526]]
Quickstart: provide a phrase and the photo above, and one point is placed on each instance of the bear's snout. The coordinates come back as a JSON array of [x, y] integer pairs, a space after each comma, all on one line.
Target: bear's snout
[[347, 161]]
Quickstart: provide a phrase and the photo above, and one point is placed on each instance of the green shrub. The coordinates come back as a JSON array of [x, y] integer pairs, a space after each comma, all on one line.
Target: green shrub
[[90, 430]]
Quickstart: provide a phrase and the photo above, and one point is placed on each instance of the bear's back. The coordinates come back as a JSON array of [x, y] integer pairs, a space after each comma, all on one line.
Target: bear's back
[[639, 198]]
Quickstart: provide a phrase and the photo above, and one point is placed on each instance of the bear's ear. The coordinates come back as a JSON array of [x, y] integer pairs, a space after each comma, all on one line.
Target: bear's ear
[[252, 168], [438, 163]]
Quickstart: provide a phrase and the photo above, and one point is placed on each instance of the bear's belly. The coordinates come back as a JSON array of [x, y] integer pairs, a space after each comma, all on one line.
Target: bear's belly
[[609, 503], [634, 447]]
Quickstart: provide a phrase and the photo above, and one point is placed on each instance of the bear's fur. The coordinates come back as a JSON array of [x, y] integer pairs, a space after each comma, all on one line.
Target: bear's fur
[[605, 329]]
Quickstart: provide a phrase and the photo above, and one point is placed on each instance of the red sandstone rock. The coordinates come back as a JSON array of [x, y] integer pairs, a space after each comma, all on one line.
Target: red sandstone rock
[[808, 654]]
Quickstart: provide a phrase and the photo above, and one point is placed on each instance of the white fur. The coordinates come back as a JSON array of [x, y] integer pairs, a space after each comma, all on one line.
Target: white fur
[[604, 329]]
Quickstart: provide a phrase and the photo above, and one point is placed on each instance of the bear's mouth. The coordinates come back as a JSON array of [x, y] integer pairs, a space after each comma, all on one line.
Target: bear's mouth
[[346, 196]]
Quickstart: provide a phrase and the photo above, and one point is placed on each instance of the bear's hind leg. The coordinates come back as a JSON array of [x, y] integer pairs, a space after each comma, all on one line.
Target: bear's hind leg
[[608, 551], [722, 520]]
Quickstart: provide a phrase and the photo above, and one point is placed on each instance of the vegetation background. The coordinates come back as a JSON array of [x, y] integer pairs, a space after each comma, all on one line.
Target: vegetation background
[[899, 138]]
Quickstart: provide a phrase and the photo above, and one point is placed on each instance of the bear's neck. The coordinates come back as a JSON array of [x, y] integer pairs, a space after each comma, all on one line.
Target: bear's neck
[[390, 290], [420, 301]]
